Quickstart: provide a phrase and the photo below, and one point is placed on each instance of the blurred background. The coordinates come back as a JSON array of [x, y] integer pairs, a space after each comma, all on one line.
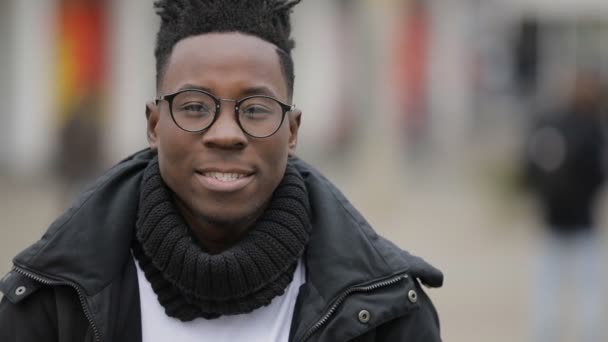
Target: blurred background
[[420, 111]]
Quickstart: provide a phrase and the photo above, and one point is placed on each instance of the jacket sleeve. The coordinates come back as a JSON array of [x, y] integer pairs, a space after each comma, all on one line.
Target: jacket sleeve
[[32, 320]]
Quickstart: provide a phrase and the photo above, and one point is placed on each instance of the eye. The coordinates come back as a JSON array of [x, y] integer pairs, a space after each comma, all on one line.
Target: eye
[[195, 109], [253, 110]]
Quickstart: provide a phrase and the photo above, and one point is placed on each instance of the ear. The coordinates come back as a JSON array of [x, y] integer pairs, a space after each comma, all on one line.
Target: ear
[[294, 125], [152, 116]]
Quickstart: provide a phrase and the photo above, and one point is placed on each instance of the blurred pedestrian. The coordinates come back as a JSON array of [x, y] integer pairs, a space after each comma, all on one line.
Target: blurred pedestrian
[[410, 70], [79, 155], [81, 73], [566, 154]]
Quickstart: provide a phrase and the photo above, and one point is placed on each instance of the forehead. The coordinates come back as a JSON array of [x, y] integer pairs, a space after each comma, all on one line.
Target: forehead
[[224, 60]]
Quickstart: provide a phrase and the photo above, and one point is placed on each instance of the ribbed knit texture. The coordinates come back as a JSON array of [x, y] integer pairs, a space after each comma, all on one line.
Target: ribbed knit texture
[[191, 283]]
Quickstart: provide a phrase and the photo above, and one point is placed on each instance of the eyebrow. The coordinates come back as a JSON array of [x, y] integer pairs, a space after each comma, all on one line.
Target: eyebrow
[[258, 90]]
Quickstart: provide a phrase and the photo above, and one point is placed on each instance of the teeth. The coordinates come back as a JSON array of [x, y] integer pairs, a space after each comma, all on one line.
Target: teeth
[[224, 177]]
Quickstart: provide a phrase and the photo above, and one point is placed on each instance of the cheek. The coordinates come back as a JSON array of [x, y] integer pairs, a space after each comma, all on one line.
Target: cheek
[[280, 141], [173, 144], [275, 151]]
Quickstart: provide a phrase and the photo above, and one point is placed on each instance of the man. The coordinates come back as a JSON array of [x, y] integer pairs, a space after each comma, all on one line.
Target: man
[[217, 232], [565, 169]]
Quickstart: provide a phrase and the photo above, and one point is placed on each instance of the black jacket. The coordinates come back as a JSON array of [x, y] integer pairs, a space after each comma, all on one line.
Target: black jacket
[[78, 283], [565, 168]]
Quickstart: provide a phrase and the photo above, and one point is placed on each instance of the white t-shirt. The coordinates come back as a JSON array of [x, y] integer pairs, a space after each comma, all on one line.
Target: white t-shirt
[[267, 324]]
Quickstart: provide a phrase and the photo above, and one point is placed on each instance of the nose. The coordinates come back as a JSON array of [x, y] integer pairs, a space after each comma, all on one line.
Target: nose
[[225, 132]]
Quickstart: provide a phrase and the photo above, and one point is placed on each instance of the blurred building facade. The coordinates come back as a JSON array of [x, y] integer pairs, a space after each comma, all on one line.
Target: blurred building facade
[[466, 45], [30, 44]]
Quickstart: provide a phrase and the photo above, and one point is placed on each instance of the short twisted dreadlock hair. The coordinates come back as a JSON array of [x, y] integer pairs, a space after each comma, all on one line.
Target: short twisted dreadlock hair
[[266, 19]]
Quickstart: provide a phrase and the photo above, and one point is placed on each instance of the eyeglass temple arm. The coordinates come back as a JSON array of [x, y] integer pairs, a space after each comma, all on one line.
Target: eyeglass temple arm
[[159, 98]]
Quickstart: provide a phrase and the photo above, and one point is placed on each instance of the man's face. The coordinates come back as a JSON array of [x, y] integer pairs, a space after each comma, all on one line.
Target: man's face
[[230, 66]]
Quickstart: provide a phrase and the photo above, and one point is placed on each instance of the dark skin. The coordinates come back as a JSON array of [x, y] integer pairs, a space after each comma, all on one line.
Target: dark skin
[[231, 66]]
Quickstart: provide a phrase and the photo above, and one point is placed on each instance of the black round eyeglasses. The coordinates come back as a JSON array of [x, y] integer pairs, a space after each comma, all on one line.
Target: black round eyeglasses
[[195, 110]]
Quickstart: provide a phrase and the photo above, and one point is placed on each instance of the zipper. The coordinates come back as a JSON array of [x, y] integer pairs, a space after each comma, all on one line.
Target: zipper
[[81, 295], [357, 289]]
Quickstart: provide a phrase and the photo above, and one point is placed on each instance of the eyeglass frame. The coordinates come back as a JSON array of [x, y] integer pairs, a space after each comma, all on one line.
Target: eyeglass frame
[[218, 103]]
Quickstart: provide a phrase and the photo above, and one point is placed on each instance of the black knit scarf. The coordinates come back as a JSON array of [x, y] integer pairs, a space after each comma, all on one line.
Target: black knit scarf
[[191, 283]]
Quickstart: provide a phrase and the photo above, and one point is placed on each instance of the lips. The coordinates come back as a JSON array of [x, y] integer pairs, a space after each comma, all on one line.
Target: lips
[[224, 180]]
